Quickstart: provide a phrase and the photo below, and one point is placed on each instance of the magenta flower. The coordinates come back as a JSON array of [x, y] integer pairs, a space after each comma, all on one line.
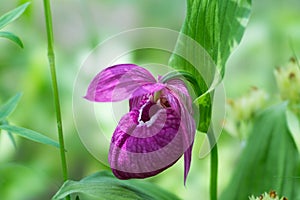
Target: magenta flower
[[157, 130]]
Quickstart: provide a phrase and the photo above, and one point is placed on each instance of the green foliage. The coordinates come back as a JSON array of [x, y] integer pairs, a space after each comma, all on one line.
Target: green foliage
[[9, 17], [104, 186], [12, 15], [217, 26], [270, 161], [9, 106], [12, 37], [6, 110], [29, 134], [10, 135]]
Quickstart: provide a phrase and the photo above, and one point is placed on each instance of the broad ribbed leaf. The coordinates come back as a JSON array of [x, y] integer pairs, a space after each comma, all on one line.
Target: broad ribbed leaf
[[12, 15], [29, 134], [270, 161], [9, 106], [12, 37], [104, 186], [217, 25], [211, 30]]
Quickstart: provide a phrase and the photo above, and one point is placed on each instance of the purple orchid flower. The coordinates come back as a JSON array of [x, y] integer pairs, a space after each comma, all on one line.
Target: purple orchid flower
[[157, 130]]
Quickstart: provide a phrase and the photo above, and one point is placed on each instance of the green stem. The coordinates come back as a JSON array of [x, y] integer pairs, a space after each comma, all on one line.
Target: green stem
[[51, 59], [214, 173]]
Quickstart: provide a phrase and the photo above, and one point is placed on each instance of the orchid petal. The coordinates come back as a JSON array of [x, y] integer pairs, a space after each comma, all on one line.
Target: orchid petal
[[187, 161], [189, 129], [120, 82], [143, 149], [176, 90], [178, 85]]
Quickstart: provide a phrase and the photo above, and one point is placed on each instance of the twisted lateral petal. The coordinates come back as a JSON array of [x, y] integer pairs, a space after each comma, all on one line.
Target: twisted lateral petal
[[142, 149], [120, 82], [183, 105], [187, 161], [189, 129]]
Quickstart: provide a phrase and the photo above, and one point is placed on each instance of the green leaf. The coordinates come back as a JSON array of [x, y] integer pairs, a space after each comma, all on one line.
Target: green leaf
[[12, 37], [29, 134], [211, 30], [104, 186], [12, 139], [217, 25], [10, 135], [9, 106], [12, 15], [270, 160]]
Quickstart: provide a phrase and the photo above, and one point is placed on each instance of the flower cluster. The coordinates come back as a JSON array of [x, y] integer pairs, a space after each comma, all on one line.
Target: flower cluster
[[288, 81], [272, 195], [157, 130], [240, 111]]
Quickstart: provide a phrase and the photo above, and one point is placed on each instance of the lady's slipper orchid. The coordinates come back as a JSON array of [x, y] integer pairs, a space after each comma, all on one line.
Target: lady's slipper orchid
[[157, 130]]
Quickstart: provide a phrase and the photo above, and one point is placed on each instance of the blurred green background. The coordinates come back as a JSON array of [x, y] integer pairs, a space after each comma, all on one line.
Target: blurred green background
[[32, 171]]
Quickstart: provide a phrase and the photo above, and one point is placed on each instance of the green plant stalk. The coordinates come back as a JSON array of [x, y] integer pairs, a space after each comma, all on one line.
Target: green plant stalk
[[213, 187], [51, 59], [214, 173]]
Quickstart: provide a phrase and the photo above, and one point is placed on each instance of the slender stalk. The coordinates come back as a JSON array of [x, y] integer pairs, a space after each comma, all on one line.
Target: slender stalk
[[51, 59], [214, 173]]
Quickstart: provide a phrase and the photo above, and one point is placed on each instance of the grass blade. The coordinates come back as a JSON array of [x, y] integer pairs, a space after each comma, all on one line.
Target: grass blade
[[9, 106], [12, 15], [29, 134], [12, 37]]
